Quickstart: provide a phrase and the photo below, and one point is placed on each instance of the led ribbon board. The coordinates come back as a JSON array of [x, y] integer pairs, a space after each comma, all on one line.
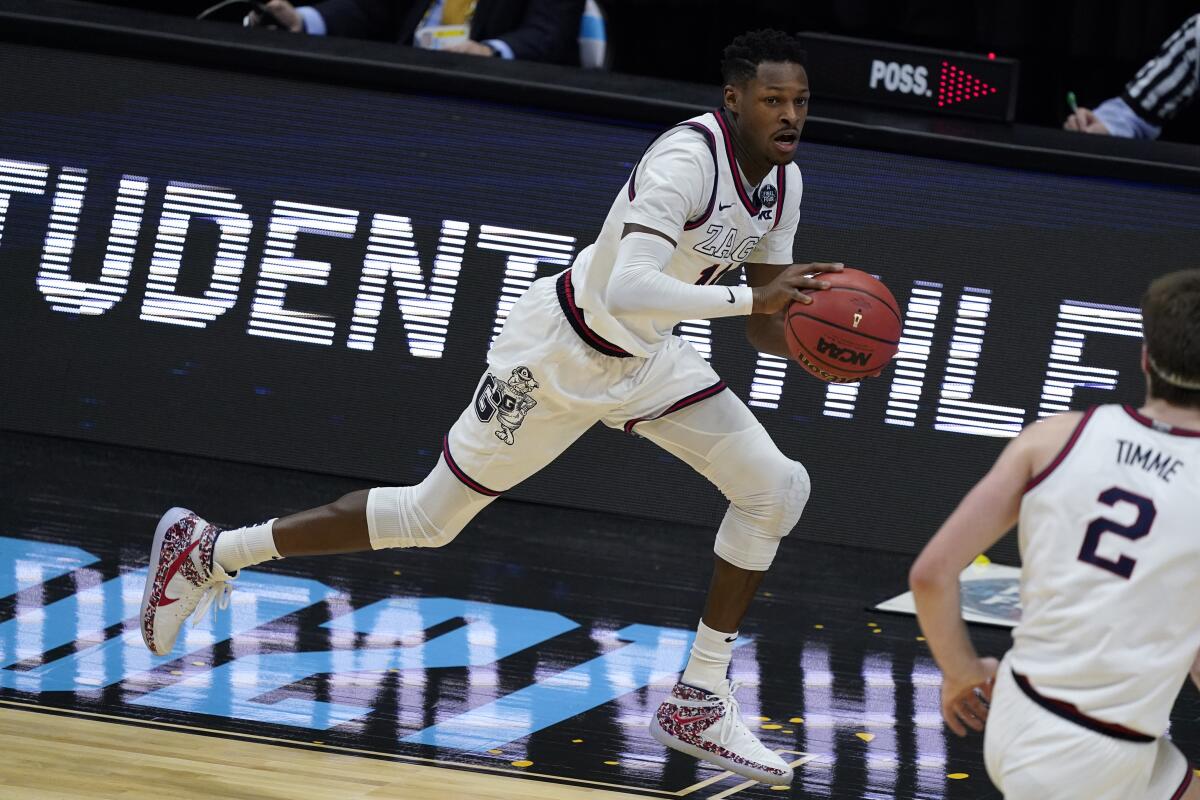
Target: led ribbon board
[[162, 286]]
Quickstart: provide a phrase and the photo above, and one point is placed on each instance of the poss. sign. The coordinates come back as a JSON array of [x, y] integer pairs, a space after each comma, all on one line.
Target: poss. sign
[[920, 78]]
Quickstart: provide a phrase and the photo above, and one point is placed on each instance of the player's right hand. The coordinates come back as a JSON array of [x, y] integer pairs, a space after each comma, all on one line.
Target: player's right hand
[[965, 698], [284, 11], [789, 284], [1085, 120]]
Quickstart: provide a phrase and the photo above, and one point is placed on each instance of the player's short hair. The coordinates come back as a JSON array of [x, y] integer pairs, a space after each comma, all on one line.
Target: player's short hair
[[746, 52], [1171, 324]]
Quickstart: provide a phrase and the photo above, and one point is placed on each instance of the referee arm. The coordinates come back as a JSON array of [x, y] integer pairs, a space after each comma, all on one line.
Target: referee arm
[[1165, 85]]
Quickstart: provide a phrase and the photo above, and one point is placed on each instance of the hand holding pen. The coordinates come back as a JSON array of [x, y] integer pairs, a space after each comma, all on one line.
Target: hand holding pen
[[1082, 119]]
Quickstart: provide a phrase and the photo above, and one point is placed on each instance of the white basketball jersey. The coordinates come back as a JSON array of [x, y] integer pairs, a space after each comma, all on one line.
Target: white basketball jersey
[[688, 185], [1110, 582]]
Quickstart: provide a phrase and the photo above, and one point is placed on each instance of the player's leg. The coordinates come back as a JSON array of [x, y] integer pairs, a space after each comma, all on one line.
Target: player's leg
[[192, 562], [430, 514], [722, 440], [475, 467], [521, 418], [767, 491]]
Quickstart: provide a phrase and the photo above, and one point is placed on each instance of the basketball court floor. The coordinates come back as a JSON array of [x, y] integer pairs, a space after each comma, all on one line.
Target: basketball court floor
[[522, 661]]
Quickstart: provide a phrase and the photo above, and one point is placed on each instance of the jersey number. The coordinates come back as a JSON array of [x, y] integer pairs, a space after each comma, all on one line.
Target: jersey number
[[1124, 565], [707, 276]]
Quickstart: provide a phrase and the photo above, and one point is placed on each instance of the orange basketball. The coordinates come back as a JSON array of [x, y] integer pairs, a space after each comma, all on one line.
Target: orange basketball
[[848, 332]]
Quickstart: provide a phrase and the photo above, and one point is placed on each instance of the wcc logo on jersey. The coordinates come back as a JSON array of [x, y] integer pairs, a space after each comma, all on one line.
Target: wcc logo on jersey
[[508, 402]]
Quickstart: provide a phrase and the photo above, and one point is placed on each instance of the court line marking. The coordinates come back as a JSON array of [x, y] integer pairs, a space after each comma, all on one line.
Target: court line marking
[[807, 757], [732, 791], [720, 776], [34, 707]]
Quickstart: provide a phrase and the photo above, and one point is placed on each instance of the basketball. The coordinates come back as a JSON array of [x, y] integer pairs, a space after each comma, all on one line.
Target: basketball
[[848, 332]]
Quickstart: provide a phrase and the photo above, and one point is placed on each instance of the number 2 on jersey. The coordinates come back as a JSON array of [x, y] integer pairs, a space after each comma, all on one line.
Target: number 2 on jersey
[[1124, 565]]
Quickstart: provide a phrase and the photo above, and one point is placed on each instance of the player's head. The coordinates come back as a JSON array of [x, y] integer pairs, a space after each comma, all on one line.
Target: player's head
[[1171, 324], [766, 89]]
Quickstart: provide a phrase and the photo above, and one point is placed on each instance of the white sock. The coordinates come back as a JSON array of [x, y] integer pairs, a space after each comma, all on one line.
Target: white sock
[[242, 547], [709, 662]]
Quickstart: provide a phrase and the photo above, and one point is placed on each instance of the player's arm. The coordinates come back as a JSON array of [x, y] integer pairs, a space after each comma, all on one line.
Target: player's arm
[[639, 286], [988, 511], [673, 184]]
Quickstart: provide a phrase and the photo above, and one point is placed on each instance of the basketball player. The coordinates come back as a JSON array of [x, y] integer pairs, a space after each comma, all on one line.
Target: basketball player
[[594, 344], [1107, 502]]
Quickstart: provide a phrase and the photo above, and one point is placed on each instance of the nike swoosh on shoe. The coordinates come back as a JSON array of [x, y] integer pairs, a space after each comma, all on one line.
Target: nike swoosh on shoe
[[174, 568], [682, 720]]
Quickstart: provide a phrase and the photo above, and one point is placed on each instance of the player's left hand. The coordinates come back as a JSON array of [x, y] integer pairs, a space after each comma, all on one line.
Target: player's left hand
[[965, 697], [789, 285]]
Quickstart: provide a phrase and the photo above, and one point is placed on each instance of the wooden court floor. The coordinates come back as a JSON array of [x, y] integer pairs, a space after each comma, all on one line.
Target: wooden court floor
[[523, 661], [59, 757]]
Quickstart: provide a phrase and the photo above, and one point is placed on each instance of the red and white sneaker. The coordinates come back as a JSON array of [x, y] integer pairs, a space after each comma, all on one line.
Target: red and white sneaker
[[182, 576], [709, 726]]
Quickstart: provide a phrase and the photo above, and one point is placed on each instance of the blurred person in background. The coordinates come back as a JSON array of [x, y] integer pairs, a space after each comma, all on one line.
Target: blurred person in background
[[530, 30], [1160, 89]]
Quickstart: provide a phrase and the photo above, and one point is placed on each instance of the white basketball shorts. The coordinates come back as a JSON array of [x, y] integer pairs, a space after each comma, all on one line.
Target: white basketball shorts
[[1033, 753], [550, 378]]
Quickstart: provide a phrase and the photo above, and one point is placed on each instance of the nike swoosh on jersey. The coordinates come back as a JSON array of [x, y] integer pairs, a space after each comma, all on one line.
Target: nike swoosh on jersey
[[175, 566], [723, 206]]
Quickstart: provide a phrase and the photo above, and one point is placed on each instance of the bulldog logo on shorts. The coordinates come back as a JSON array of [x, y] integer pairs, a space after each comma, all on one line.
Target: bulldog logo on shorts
[[508, 402]]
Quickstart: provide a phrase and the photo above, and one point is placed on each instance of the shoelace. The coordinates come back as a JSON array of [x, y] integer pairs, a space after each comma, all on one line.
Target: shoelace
[[217, 592], [732, 716]]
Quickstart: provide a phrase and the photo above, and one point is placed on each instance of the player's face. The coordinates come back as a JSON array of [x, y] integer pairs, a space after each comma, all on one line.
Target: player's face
[[771, 107]]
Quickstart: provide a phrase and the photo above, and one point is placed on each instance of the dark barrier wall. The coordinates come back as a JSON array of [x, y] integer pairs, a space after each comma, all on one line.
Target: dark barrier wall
[[304, 275]]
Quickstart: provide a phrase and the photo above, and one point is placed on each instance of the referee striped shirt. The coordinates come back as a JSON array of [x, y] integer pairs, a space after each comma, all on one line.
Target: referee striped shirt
[[1169, 81]]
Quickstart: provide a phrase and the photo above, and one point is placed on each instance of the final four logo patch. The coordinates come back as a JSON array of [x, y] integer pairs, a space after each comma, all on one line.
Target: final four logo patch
[[767, 196], [508, 402]]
